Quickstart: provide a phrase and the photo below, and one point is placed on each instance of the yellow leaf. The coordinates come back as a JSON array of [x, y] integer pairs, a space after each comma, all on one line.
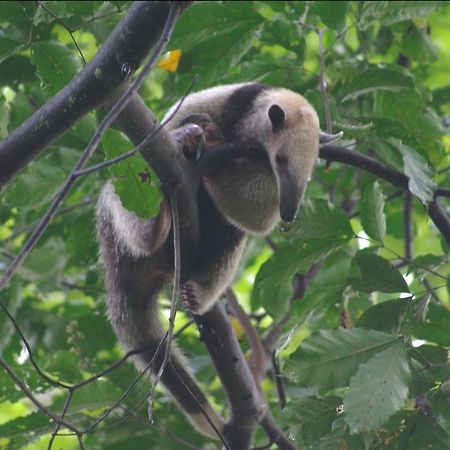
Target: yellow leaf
[[170, 60]]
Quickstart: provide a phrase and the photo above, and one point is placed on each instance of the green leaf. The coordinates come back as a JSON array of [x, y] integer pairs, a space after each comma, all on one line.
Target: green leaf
[[320, 230], [332, 13], [419, 432], [373, 218], [318, 219], [134, 181], [46, 262], [56, 65], [100, 394], [214, 37], [11, 299], [28, 427], [15, 12], [418, 45], [378, 389], [9, 47], [4, 118], [392, 12], [436, 326], [329, 358], [272, 288], [376, 79], [312, 417], [377, 274], [41, 181], [441, 96], [421, 178], [387, 316]]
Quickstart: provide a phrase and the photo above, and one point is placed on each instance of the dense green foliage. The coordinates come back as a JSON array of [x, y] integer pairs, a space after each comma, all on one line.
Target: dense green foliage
[[365, 351]]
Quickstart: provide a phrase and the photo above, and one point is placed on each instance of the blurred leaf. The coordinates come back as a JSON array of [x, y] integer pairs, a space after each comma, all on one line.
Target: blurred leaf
[[45, 263], [9, 47], [441, 96], [101, 394], [330, 357], [214, 37], [28, 427], [13, 11], [378, 389], [4, 118], [373, 218], [392, 12], [418, 45], [55, 65], [377, 274], [376, 79], [332, 13]]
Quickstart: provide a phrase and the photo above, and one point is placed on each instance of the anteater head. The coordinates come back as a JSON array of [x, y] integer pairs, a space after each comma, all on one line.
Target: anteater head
[[291, 137]]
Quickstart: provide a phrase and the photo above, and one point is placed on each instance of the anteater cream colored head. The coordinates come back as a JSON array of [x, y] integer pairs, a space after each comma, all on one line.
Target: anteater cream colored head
[[289, 129]]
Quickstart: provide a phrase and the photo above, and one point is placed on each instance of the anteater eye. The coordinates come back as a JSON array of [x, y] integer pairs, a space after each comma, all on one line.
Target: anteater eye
[[281, 160]]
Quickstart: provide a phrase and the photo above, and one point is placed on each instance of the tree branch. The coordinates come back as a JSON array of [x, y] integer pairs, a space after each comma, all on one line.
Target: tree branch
[[246, 403], [398, 179], [127, 45]]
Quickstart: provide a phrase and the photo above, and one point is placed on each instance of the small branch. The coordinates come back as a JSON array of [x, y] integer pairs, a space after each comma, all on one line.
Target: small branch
[[279, 380], [23, 387], [398, 179], [63, 415], [175, 289], [51, 13], [276, 435], [246, 404], [258, 361]]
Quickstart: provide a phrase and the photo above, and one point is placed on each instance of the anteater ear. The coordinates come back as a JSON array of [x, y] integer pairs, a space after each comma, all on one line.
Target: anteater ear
[[276, 116]]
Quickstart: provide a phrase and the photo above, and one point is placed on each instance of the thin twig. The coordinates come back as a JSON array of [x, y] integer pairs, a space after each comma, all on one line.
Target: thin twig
[[279, 381], [24, 388], [41, 4], [143, 144], [63, 414], [29, 226], [175, 288], [258, 360]]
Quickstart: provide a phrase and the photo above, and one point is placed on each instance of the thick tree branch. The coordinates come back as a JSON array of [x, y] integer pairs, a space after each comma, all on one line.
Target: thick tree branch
[[398, 179], [127, 46], [246, 403]]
